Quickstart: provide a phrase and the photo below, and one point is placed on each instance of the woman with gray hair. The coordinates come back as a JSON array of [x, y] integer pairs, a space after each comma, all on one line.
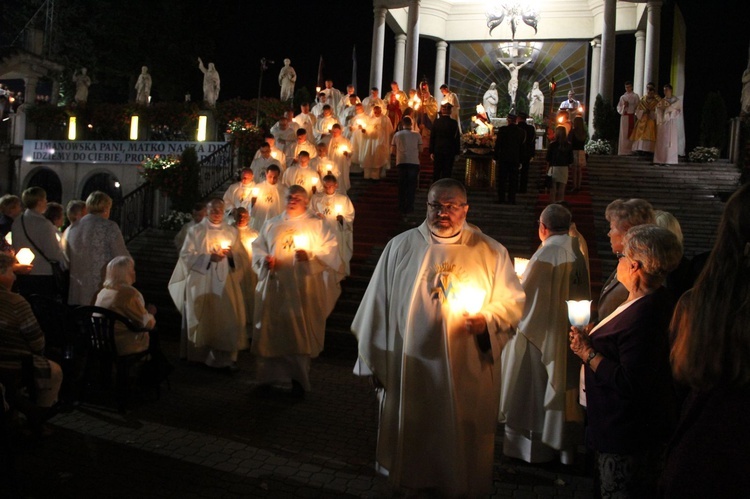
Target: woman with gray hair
[[628, 386]]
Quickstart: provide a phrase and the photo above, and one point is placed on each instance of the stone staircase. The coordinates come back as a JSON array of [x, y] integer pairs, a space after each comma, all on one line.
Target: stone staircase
[[693, 193]]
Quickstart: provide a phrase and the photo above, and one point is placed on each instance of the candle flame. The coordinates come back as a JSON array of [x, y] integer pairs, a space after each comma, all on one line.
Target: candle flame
[[301, 242], [274, 154], [225, 245], [473, 299], [255, 191], [520, 264], [314, 181], [338, 209]]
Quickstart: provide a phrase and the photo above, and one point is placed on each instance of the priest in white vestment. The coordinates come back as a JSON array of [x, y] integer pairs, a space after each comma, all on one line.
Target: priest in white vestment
[[452, 99], [276, 153], [333, 96], [284, 133], [346, 113], [302, 144], [540, 374], [249, 279], [443, 301], [323, 164], [668, 111], [338, 212], [239, 193], [626, 106], [324, 125], [373, 100], [340, 152], [376, 157], [302, 174], [346, 99], [271, 198], [292, 256], [261, 163], [317, 109], [396, 103], [305, 119], [357, 128], [205, 287]]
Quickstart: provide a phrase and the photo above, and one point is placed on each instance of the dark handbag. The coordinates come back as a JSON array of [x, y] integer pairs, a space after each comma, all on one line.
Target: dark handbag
[[61, 276]]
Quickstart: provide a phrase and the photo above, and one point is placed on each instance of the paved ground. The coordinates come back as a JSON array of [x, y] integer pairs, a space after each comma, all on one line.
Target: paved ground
[[209, 437]]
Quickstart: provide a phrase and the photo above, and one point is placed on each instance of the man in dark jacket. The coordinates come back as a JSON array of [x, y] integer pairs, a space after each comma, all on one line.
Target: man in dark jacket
[[509, 149], [445, 144], [529, 149]]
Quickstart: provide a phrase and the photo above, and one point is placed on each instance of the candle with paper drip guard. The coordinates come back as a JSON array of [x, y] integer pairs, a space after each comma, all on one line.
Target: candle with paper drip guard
[[329, 168], [225, 244], [274, 154], [579, 312], [314, 182], [25, 256], [254, 193], [520, 264], [301, 242], [361, 124], [343, 150], [338, 209], [471, 299]]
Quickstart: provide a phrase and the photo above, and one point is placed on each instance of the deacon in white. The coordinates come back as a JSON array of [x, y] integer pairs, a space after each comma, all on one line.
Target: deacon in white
[[373, 100], [340, 152], [293, 298], [205, 287], [442, 303], [333, 96], [239, 194], [270, 200], [302, 174], [338, 212], [324, 124], [452, 99], [538, 402], [626, 106], [263, 161], [305, 119], [668, 111], [249, 279], [302, 144], [276, 153], [376, 157]]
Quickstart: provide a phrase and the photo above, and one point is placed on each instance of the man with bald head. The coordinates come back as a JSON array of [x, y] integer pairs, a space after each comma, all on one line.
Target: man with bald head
[[442, 303]]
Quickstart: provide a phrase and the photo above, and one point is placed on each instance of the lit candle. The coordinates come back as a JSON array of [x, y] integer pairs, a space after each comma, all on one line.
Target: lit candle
[[338, 209], [329, 167], [225, 245], [255, 192], [580, 109], [342, 150], [472, 299], [25, 256], [317, 90], [9, 238], [274, 154], [444, 102], [520, 265], [361, 123], [579, 312], [480, 109], [560, 119], [314, 181], [330, 127], [301, 242]]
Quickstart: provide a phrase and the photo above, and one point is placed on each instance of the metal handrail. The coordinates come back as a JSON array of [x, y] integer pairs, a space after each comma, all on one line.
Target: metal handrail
[[216, 169]]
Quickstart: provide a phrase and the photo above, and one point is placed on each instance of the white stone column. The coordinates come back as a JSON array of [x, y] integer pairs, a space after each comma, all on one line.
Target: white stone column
[[607, 68], [440, 60], [29, 94], [398, 60], [653, 34], [412, 45], [596, 61], [640, 55], [376, 58]]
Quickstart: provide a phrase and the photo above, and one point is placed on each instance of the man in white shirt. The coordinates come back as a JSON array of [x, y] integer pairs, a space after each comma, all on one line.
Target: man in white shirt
[[406, 146]]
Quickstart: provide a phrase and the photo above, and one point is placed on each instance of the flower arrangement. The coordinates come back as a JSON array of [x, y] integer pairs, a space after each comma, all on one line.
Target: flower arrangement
[[472, 140], [164, 173], [238, 125], [703, 155], [174, 220], [600, 146]]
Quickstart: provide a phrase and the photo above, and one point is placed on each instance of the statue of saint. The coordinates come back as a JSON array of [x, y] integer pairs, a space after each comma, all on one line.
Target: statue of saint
[[489, 101], [287, 78], [143, 87], [83, 82], [211, 83], [513, 83], [745, 100], [536, 102]]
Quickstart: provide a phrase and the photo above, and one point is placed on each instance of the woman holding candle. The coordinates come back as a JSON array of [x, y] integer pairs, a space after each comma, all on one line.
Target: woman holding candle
[[628, 388]]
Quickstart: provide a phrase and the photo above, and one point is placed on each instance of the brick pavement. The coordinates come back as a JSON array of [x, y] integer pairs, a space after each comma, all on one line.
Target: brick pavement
[[208, 437]]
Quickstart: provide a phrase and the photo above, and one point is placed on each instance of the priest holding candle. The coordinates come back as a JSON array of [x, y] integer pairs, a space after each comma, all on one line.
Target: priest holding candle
[[295, 256], [239, 194], [433, 358], [540, 374], [338, 212]]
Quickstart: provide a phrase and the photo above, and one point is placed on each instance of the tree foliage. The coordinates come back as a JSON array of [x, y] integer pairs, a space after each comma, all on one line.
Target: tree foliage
[[606, 120]]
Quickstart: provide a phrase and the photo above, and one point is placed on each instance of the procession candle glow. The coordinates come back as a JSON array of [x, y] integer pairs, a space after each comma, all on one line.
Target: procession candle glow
[[314, 181], [560, 119], [520, 264], [301, 242], [338, 209], [274, 154], [579, 312], [225, 244], [9, 238], [480, 109], [25, 256], [330, 127], [580, 109], [317, 90], [329, 167], [473, 299], [343, 149], [255, 192]]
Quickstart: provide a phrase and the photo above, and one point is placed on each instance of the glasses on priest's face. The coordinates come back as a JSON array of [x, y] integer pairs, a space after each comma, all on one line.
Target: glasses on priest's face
[[451, 208]]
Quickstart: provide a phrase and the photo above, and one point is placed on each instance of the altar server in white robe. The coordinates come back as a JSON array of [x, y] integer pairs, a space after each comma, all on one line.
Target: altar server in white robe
[[435, 361], [301, 173], [340, 152], [295, 297], [373, 100], [626, 106], [305, 119], [270, 200], [302, 144], [239, 193], [452, 99], [205, 287], [249, 279], [538, 402], [668, 111], [338, 212], [377, 153], [262, 162], [324, 124]]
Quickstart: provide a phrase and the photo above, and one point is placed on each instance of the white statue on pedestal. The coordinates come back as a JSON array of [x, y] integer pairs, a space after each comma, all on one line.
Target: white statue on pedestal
[[513, 83], [143, 87], [83, 82], [287, 78], [536, 102], [489, 101], [211, 83]]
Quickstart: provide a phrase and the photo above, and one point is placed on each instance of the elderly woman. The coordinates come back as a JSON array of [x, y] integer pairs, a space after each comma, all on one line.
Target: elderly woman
[[710, 451], [120, 296], [628, 387], [622, 215]]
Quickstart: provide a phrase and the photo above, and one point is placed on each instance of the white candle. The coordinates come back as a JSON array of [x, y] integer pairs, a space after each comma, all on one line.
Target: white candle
[[472, 299], [301, 241], [314, 181], [225, 244], [25, 256], [343, 150], [255, 192], [579, 312], [338, 209], [329, 167], [480, 109], [330, 127], [274, 154], [520, 265]]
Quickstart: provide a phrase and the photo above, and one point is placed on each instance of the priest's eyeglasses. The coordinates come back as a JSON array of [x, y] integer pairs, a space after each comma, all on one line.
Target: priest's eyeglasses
[[446, 208]]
